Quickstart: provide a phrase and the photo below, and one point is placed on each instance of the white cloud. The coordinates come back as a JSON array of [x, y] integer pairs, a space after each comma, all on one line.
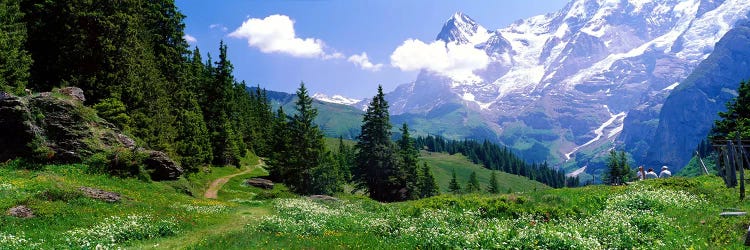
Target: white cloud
[[451, 60], [275, 34], [363, 62], [219, 27], [335, 55], [190, 39]]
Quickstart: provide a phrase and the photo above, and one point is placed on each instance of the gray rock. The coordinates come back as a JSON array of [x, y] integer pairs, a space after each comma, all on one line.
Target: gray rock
[[732, 214], [161, 167], [100, 194], [260, 182], [75, 92], [21, 212], [17, 131], [125, 140], [323, 197]]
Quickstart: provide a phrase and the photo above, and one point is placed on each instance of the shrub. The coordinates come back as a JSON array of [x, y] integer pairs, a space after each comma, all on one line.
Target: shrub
[[120, 162]]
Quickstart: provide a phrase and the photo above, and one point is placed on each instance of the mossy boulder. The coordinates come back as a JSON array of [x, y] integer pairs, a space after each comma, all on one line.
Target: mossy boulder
[[55, 127]]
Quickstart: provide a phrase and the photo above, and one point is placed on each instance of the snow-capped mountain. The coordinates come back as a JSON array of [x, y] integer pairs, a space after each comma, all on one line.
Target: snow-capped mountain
[[338, 99], [563, 83]]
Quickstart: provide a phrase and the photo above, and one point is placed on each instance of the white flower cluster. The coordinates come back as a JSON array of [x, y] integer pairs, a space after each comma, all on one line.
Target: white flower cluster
[[115, 229], [214, 209], [643, 198], [6, 187], [629, 220], [9, 241]]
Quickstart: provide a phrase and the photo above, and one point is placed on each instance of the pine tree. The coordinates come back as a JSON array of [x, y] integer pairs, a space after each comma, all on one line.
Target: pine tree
[[625, 172], [326, 177], [409, 156], [494, 187], [310, 170], [305, 153], [428, 185], [618, 170], [218, 108], [193, 142], [473, 184], [345, 158], [736, 120], [376, 169], [453, 186], [15, 61], [280, 147]]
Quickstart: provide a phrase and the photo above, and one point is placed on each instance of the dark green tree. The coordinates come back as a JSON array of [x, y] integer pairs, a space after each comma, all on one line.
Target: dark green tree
[[326, 177], [625, 171], [427, 184], [618, 170], [310, 168], [15, 61], [377, 169], [409, 156], [453, 186], [114, 111], [345, 157], [494, 186], [281, 141], [473, 184], [736, 120], [307, 145], [217, 111]]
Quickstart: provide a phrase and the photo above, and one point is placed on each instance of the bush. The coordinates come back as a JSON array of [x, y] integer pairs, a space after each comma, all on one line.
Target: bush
[[119, 162], [22, 164]]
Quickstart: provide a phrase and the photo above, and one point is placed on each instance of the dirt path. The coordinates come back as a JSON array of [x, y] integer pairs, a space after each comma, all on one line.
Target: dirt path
[[213, 189]]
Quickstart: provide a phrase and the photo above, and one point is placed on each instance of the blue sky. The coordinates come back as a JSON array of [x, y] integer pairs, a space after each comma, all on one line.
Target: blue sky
[[277, 44]]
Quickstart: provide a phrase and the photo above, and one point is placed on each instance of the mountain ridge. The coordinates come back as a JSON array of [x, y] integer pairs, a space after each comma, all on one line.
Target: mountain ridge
[[575, 74]]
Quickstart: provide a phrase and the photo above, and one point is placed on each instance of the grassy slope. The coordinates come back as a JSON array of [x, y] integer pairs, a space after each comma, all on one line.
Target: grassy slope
[[443, 164], [51, 192], [542, 217]]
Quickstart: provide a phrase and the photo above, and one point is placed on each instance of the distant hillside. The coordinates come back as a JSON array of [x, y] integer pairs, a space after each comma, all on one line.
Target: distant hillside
[[334, 119], [442, 165]]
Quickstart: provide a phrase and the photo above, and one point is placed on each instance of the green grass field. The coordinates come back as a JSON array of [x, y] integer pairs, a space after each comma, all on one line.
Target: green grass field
[[443, 164], [675, 213]]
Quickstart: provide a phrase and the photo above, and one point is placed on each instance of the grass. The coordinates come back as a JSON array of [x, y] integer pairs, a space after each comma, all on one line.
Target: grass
[[443, 164], [151, 213], [654, 214], [646, 215], [61, 210]]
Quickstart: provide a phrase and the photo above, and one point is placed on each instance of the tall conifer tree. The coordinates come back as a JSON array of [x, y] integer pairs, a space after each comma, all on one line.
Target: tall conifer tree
[[428, 185], [453, 186], [377, 169], [473, 183], [280, 147], [409, 156], [494, 187], [15, 61], [307, 146]]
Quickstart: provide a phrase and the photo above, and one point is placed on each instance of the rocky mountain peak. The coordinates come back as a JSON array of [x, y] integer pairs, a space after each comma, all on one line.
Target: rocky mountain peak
[[462, 29], [577, 72]]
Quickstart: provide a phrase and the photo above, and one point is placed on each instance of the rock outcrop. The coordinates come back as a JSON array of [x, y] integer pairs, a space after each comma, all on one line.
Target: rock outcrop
[[260, 182], [161, 167], [55, 127], [21, 212], [100, 194]]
